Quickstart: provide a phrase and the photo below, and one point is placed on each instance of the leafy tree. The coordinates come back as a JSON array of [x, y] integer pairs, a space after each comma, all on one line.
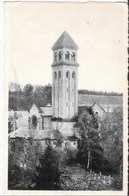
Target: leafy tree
[[23, 100], [12, 102], [39, 95], [42, 95], [89, 144], [48, 175], [13, 173], [28, 89], [23, 158], [112, 139], [47, 93], [28, 96], [13, 86]]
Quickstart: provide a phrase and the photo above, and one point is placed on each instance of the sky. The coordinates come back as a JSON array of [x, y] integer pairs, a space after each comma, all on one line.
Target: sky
[[99, 29]]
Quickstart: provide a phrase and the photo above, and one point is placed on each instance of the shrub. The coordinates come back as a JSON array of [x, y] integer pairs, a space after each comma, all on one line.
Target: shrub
[[47, 175], [70, 157], [57, 119]]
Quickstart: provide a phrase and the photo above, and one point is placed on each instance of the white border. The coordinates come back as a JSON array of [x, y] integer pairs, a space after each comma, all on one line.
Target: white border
[[1, 94], [105, 1], [4, 119]]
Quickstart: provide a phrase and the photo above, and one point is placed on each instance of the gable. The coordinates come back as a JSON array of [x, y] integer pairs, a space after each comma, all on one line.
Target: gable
[[34, 110]]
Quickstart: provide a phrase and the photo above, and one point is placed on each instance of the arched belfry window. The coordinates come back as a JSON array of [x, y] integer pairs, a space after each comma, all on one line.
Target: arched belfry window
[[60, 55], [55, 56], [55, 75], [73, 74], [67, 55], [67, 74], [59, 74], [73, 56]]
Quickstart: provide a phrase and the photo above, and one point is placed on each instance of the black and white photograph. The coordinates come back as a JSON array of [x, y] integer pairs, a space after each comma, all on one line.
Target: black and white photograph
[[66, 69]]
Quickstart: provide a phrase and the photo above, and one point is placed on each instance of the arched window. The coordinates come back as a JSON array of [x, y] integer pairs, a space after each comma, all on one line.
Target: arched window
[[59, 74], [73, 74], [55, 56], [60, 55], [67, 74], [67, 55], [34, 121], [55, 75], [73, 56]]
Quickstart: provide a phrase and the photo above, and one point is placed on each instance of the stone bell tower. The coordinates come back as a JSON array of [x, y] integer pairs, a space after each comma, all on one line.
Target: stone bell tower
[[65, 77]]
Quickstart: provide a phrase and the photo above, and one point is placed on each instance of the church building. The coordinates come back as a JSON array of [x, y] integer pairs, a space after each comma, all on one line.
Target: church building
[[56, 122], [65, 78], [40, 120]]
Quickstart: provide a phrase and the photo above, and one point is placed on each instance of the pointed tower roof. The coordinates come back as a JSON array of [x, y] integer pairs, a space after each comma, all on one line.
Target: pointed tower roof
[[65, 41]]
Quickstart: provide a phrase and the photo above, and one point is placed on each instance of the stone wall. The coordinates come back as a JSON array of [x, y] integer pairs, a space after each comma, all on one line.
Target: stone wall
[[66, 128], [64, 91], [47, 123]]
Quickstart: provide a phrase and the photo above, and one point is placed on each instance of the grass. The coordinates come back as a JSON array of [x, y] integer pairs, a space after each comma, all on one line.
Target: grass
[[77, 178]]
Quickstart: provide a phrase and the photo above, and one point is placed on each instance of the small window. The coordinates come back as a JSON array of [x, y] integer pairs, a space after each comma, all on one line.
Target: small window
[[67, 74], [55, 56], [55, 75], [60, 55], [73, 75], [73, 56], [67, 55], [59, 74]]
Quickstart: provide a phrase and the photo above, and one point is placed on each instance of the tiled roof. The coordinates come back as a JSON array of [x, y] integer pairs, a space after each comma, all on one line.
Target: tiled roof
[[65, 41], [35, 134]]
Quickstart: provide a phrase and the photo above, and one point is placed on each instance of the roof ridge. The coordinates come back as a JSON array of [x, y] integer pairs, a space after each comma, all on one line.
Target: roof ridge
[[65, 40]]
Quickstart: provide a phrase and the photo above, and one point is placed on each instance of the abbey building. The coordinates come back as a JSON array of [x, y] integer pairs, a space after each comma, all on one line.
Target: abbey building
[[65, 78], [56, 122]]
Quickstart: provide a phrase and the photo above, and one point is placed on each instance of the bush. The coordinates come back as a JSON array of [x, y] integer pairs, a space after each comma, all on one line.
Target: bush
[[47, 175], [13, 176], [70, 157], [57, 119]]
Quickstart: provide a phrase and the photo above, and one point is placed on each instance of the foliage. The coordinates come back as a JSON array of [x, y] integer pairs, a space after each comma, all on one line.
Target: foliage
[[23, 157], [112, 139], [90, 153], [13, 86], [77, 178], [88, 92], [48, 174], [57, 119], [13, 173], [70, 156], [23, 100], [73, 119], [28, 89]]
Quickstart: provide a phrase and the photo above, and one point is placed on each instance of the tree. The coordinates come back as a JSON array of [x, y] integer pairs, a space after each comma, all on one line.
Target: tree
[[28, 96], [13, 86], [39, 95], [112, 139], [47, 93], [13, 173], [89, 144], [48, 175], [28, 89]]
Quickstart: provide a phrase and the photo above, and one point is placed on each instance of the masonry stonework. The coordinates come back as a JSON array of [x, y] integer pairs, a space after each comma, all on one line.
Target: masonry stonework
[[65, 78]]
